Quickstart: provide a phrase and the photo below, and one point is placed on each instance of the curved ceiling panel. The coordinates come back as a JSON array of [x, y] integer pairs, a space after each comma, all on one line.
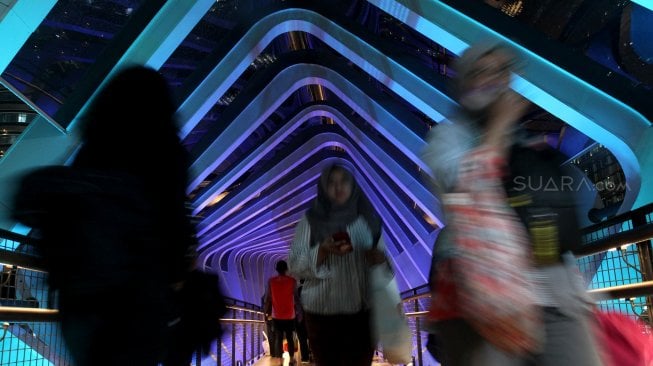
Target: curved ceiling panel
[[18, 24], [396, 77], [266, 156], [265, 103], [274, 226], [239, 201], [415, 189]]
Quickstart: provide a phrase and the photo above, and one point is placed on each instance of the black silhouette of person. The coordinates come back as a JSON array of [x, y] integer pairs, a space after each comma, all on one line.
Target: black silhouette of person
[[114, 227]]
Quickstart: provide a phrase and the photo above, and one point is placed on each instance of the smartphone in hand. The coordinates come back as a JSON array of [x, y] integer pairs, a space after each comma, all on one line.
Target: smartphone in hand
[[345, 247], [340, 236]]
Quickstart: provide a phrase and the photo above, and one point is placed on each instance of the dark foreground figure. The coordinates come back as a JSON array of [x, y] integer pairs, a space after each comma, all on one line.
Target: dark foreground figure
[[115, 234]]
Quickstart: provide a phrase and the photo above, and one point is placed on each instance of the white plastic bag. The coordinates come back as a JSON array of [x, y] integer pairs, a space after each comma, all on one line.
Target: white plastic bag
[[389, 325], [266, 344]]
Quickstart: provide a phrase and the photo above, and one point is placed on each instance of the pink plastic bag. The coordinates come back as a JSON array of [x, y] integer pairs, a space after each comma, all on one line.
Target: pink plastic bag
[[623, 340]]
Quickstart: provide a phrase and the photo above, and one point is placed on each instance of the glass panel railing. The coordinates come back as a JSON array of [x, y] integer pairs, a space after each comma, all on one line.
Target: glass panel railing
[[31, 334]]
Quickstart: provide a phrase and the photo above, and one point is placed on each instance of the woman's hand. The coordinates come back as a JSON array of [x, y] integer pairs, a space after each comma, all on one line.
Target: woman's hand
[[340, 247], [507, 110], [504, 114], [330, 246]]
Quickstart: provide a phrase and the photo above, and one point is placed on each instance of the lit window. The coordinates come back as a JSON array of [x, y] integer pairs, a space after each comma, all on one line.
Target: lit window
[[22, 117]]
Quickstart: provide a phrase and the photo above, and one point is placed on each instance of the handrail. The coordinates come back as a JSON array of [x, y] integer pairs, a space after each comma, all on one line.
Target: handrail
[[615, 292], [624, 291], [636, 235], [22, 260], [241, 321], [10, 235], [416, 297], [234, 307], [10, 313], [417, 314], [20, 314], [618, 219], [415, 290]]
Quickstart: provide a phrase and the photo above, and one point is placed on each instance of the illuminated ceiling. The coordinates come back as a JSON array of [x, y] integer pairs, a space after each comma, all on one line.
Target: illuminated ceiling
[[271, 91]]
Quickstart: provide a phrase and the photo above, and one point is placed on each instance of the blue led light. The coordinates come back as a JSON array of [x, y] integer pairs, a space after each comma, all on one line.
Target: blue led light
[[18, 24], [287, 81], [402, 81], [645, 3]]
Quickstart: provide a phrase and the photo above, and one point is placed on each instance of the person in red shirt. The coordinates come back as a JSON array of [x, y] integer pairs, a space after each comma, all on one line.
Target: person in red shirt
[[280, 302]]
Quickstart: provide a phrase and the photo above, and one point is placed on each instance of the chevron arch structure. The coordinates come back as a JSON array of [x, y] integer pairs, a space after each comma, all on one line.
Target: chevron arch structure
[[270, 92]]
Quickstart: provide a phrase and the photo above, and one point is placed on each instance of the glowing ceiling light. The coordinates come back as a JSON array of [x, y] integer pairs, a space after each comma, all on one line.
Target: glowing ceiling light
[[219, 198], [430, 220], [513, 9]]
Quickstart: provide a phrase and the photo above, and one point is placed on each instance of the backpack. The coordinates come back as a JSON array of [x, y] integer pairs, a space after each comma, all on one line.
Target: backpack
[[542, 193]]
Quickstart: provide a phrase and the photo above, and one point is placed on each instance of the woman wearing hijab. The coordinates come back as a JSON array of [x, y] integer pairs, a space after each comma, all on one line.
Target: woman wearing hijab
[[487, 122], [331, 251]]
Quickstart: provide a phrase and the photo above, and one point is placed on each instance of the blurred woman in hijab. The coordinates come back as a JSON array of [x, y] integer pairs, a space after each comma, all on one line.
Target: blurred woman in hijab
[[331, 251], [488, 119]]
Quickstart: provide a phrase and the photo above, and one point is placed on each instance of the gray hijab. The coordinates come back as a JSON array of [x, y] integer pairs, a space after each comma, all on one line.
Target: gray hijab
[[464, 64], [326, 219]]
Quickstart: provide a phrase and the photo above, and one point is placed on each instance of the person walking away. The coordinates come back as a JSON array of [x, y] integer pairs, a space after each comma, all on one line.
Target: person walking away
[[281, 299], [487, 121]]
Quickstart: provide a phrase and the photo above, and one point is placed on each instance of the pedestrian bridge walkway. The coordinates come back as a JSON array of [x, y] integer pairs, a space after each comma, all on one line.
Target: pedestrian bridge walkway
[[31, 332]]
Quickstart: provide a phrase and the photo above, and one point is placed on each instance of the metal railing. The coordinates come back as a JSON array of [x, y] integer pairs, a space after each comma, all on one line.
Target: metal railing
[[625, 238], [241, 342], [30, 321], [632, 229]]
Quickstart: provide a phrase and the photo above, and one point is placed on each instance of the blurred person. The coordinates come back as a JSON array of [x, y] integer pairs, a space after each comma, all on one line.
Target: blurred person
[[115, 229], [331, 250], [280, 304], [488, 118], [545, 195]]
